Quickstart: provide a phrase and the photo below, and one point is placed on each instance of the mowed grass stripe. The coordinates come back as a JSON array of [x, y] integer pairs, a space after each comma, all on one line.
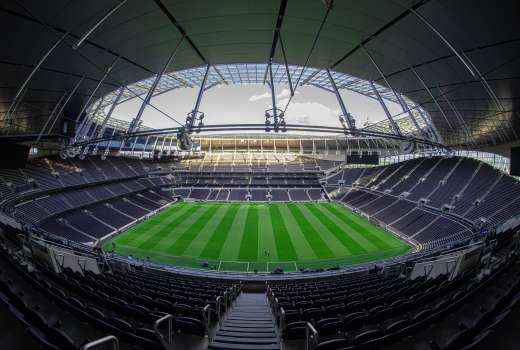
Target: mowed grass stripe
[[284, 247], [266, 240], [342, 236], [368, 233], [216, 242], [318, 245], [137, 231], [197, 245], [300, 244], [337, 248], [231, 247], [190, 234], [249, 245], [374, 230], [168, 227]]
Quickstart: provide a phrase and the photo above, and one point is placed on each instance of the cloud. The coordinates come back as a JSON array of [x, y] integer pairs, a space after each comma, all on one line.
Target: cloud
[[311, 112], [282, 102], [283, 93], [281, 96], [255, 98]]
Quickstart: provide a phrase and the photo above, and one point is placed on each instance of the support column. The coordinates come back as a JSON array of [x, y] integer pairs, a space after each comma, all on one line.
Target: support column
[[135, 122], [287, 72], [470, 66], [273, 93], [398, 98], [79, 131], [347, 117], [277, 115], [195, 114], [62, 108], [431, 96], [51, 115], [27, 80], [110, 111], [97, 24], [393, 124]]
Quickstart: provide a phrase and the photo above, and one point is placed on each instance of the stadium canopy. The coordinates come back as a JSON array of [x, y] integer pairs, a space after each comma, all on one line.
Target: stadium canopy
[[455, 60]]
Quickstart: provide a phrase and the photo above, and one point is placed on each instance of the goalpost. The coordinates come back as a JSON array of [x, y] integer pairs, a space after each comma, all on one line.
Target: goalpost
[[259, 266]]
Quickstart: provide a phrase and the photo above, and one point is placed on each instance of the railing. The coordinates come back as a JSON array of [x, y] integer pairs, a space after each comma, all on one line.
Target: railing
[[311, 337], [226, 301], [169, 339], [62, 264], [100, 341], [206, 315], [281, 317], [219, 307], [275, 307]]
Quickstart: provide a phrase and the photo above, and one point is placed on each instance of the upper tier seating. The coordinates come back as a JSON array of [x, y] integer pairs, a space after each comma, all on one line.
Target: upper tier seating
[[463, 186]]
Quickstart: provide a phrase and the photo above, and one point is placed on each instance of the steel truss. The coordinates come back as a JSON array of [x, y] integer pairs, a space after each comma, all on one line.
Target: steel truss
[[171, 132], [254, 73]]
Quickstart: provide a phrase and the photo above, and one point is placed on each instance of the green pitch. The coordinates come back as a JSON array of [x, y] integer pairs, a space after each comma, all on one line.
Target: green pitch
[[258, 237]]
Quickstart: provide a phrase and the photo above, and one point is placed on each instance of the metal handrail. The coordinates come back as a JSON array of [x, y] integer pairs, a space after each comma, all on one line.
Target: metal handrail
[[22, 240], [206, 315], [219, 305], [281, 317], [311, 337], [226, 301], [95, 343], [84, 261], [169, 339], [62, 264]]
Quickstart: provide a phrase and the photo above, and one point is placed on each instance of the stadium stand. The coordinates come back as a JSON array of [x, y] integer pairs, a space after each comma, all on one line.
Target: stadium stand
[[406, 197]]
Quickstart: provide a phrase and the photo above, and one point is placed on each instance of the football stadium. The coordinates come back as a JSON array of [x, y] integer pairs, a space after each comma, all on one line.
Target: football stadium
[[260, 175]]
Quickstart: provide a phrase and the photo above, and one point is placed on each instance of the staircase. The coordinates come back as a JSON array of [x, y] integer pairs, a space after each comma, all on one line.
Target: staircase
[[249, 326]]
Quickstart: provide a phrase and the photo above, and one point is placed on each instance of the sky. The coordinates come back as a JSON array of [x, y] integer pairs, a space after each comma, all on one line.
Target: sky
[[247, 104]]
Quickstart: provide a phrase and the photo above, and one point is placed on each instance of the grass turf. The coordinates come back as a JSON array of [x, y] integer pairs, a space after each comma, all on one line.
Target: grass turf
[[258, 237]]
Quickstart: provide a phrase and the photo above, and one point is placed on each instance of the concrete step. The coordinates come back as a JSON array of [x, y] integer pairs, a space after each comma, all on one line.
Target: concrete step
[[254, 318], [255, 340], [247, 334], [249, 326], [247, 329], [231, 346]]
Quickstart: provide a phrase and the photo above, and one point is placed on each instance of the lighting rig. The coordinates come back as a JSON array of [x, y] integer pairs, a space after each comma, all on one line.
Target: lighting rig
[[347, 122], [275, 120]]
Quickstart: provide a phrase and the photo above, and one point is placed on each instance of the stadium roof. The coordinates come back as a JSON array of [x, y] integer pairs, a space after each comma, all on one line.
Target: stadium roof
[[457, 59]]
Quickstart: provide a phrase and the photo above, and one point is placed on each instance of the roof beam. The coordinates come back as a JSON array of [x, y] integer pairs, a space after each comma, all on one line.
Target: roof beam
[[134, 125], [393, 124], [181, 30], [310, 77], [18, 95], [278, 27], [286, 67], [379, 31], [346, 115], [72, 35], [97, 24], [195, 115], [85, 121], [65, 103], [430, 93], [329, 5], [378, 95]]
